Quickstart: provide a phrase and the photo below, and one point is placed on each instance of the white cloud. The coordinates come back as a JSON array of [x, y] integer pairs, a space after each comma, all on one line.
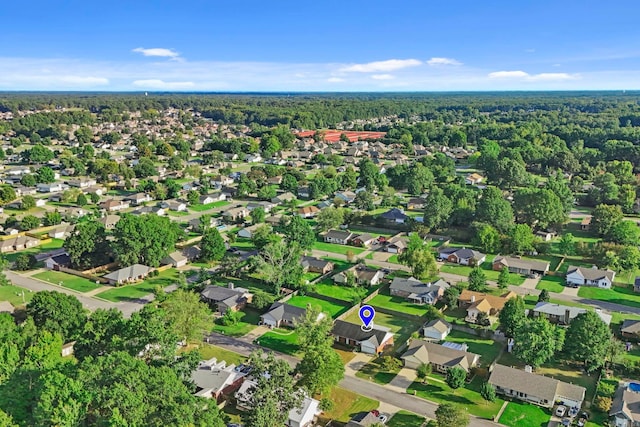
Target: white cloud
[[443, 61], [161, 84], [541, 77], [82, 80], [383, 77], [381, 66], [507, 74], [335, 80], [157, 51]]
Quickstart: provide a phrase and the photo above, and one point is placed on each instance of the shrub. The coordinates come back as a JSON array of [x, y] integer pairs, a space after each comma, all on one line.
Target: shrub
[[603, 404]]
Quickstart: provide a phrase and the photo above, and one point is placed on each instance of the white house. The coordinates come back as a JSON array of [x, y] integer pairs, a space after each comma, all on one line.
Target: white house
[[436, 330], [590, 277], [247, 232]]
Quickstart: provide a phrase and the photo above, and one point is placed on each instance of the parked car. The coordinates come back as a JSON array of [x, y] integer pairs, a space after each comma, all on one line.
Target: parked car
[[566, 422], [561, 410], [573, 412]]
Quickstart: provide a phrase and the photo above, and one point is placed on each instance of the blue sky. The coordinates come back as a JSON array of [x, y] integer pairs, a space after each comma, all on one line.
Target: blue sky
[[327, 45]]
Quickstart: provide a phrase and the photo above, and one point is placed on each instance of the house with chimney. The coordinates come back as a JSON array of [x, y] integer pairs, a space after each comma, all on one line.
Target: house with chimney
[[462, 256], [478, 302], [373, 341], [563, 314], [581, 276], [440, 357], [226, 298], [417, 292]]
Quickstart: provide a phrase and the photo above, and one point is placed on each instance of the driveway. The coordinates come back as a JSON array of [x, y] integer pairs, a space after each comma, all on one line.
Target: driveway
[[530, 283], [403, 380]]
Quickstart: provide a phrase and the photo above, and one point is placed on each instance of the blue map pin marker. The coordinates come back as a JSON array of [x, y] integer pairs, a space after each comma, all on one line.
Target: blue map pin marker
[[367, 313]]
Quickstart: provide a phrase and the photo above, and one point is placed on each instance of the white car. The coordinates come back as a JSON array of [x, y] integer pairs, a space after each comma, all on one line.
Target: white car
[[561, 410]]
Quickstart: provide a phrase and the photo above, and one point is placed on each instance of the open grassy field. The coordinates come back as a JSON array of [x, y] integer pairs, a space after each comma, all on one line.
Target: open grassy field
[[406, 419], [247, 323], [346, 405], [17, 296], [487, 348], [333, 309], [139, 290], [551, 284], [519, 414], [200, 208], [436, 390], [337, 249], [70, 281], [623, 295], [282, 340]]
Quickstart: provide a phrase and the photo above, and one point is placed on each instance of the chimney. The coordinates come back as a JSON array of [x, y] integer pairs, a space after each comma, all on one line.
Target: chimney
[[473, 298], [230, 285], [567, 316]]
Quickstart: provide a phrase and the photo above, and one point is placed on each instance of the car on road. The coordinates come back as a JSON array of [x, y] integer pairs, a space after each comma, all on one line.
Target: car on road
[[561, 410]]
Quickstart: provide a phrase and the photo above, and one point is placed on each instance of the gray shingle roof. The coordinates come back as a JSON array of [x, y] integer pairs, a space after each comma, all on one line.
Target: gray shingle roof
[[591, 273], [428, 352], [287, 312], [128, 273], [354, 331]]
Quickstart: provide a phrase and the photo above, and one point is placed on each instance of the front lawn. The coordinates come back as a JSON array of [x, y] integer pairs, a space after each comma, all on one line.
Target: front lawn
[[140, 290], [373, 371], [406, 419], [76, 283], [337, 249], [463, 270], [437, 390], [617, 294], [551, 284], [17, 296], [346, 404], [282, 340], [402, 328], [208, 351], [345, 293], [520, 414], [333, 309], [200, 208], [398, 304], [247, 323], [487, 348]]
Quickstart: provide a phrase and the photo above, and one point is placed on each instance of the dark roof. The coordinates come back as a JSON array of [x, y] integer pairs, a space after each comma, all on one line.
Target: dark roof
[[218, 293], [394, 214], [637, 281], [309, 261], [415, 286], [338, 234], [355, 332], [62, 259], [630, 326], [281, 311]]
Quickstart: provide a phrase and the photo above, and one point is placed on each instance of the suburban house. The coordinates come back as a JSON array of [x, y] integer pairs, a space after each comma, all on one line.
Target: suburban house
[[462, 256], [199, 223], [247, 232], [229, 298], [112, 205], [283, 198], [478, 302], [138, 199], [308, 211], [416, 291], [7, 307], [109, 221], [174, 205], [363, 240], [303, 193], [18, 243], [625, 407], [363, 275], [57, 261], [395, 216], [396, 245], [281, 314], [234, 214], [373, 341], [590, 277], [54, 187], [536, 389], [365, 419], [133, 273], [175, 259], [563, 314], [211, 198], [436, 330], [267, 206], [316, 265], [546, 236], [473, 179], [630, 329], [304, 416], [340, 237], [441, 358], [585, 224], [214, 379], [416, 203], [62, 231], [520, 266], [636, 285], [346, 196]]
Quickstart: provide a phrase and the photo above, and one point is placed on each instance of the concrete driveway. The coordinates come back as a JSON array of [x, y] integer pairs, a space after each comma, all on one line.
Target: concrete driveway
[[403, 380]]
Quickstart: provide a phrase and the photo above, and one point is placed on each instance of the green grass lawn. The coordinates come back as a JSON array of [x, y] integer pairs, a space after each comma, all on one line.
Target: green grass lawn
[[346, 404], [207, 351], [244, 244], [617, 294], [403, 328], [406, 419], [551, 284], [553, 260], [337, 249], [333, 309], [362, 230], [373, 371], [247, 323], [463, 270], [436, 390], [398, 304], [394, 259], [282, 340], [574, 261], [336, 291], [14, 294], [488, 349], [53, 244], [200, 208], [129, 292], [519, 414], [76, 283]]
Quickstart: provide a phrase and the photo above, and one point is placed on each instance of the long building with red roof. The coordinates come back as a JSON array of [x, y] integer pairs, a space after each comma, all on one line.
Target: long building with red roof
[[333, 135]]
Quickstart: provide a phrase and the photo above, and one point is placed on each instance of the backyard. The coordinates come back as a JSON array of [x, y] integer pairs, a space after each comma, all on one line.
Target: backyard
[[15, 295], [200, 208], [398, 304], [208, 351], [70, 281], [139, 290], [519, 414], [331, 308], [623, 295], [337, 249], [463, 270], [402, 328], [487, 348], [345, 293], [248, 321]]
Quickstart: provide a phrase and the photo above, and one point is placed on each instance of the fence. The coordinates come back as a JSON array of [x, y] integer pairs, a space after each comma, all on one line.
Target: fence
[[364, 301], [83, 275], [101, 268]]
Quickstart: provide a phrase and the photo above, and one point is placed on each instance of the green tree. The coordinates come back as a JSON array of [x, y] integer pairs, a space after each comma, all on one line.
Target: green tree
[[29, 222], [187, 316], [87, 245], [488, 239], [58, 313], [329, 218], [477, 280], [28, 202], [567, 244], [28, 180], [503, 278], [629, 258], [298, 230], [423, 371], [488, 391], [419, 257], [193, 197], [605, 217], [512, 316], [321, 368], [279, 265], [267, 192], [451, 415], [45, 175], [38, 154], [289, 182], [52, 218], [212, 247], [544, 296], [263, 235], [588, 339], [538, 206], [364, 201], [456, 377], [451, 296], [257, 215], [521, 239], [537, 340], [144, 239], [493, 209], [437, 211], [82, 200], [625, 233], [145, 168], [262, 300], [24, 262]]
